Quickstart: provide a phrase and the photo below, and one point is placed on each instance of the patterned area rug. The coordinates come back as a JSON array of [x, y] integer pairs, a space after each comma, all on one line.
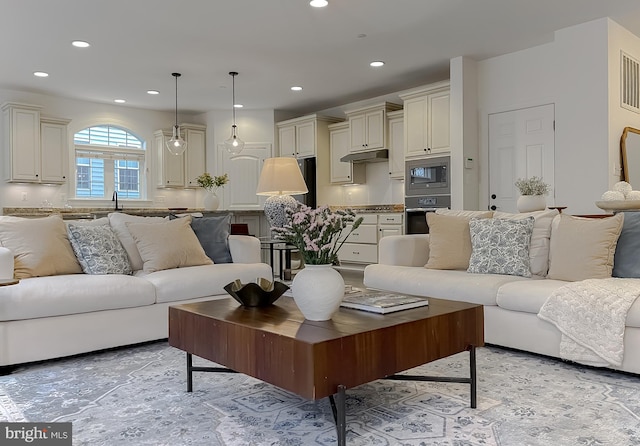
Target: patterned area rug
[[137, 396]]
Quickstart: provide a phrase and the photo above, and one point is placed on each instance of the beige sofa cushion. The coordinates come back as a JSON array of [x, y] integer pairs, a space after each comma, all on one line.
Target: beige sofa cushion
[[540, 237], [166, 245], [118, 222], [40, 246], [583, 248], [450, 240]]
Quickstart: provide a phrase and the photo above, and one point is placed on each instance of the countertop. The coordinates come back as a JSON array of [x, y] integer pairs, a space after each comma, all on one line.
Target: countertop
[[89, 213]]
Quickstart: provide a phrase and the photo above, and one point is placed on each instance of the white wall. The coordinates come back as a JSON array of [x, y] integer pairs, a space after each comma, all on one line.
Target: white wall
[[572, 73]]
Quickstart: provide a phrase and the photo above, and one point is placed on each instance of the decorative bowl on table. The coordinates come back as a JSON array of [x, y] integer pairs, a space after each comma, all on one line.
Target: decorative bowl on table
[[619, 205], [260, 294]]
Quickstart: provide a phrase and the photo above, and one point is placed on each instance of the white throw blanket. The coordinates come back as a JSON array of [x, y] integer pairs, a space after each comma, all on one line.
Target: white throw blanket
[[591, 315]]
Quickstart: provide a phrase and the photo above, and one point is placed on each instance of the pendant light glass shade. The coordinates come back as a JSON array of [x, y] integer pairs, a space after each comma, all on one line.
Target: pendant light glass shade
[[234, 145], [176, 145]]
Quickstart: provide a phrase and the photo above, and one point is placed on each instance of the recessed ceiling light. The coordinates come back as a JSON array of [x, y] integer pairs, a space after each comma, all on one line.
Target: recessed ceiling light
[[238, 105], [119, 101], [296, 88], [377, 63], [80, 44], [318, 3], [40, 74], [153, 92]]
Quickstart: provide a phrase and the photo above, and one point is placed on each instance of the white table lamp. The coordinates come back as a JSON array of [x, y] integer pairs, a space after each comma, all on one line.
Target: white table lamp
[[280, 178]]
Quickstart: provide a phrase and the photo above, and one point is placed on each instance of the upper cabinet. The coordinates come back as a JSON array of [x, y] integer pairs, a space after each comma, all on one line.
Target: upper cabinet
[[180, 171], [35, 149], [368, 126], [194, 156], [396, 144], [426, 120], [304, 137], [54, 150], [341, 172]]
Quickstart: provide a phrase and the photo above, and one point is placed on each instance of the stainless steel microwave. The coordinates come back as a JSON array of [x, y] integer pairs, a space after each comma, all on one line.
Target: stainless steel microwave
[[428, 176]]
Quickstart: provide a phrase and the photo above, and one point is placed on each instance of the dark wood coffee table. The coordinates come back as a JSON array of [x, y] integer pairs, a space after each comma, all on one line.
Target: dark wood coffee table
[[321, 359]]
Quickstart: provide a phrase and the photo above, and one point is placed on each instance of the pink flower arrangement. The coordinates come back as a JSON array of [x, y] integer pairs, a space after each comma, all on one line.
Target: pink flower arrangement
[[318, 233]]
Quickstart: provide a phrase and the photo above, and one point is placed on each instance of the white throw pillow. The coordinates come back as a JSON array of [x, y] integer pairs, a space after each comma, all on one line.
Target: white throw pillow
[[40, 246], [540, 237], [167, 245], [583, 248], [118, 222]]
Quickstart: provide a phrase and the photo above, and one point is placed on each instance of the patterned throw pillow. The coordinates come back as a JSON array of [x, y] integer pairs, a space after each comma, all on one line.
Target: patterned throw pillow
[[500, 246], [98, 250]]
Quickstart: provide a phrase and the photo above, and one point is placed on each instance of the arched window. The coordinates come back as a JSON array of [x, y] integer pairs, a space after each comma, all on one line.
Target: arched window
[[108, 159]]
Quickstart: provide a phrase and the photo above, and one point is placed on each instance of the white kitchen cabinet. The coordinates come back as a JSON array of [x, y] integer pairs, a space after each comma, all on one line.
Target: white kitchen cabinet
[[304, 137], [180, 171], [194, 156], [244, 171], [54, 150], [396, 144], [390, 224], [169, 167], [427, 121], [368, 126], [341, 172], [35, 148]]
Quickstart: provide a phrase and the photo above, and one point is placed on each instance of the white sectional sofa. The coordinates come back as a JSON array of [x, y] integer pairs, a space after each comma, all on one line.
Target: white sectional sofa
[[61, 314], [511, 303]]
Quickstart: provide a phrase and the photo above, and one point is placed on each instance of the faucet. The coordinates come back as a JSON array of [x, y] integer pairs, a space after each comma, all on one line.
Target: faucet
[[115, 198]]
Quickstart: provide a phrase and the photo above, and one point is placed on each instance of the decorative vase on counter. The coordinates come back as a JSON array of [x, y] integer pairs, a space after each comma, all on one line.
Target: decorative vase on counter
[[318, 291], [211, 201], [530, 203]]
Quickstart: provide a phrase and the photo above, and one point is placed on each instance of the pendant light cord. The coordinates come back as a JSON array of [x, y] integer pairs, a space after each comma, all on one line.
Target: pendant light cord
[[176, 75], [233, 97]]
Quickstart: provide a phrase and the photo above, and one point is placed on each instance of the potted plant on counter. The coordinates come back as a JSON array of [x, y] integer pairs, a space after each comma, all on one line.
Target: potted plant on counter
[[532, 194], [211, 185]]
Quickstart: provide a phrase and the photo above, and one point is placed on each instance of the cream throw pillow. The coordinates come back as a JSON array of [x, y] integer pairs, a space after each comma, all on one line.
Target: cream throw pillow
[[118, 222], [450, 240], [583, 248], [540, 238], [171, 244], [40, 246]]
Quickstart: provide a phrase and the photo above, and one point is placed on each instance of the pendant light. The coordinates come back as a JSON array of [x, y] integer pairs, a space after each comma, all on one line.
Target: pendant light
[[176, 145], [234, 145]]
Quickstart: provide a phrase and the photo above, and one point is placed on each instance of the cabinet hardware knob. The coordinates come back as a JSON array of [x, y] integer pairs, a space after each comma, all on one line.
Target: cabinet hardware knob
[[425, 149], [36, 175], [356, 252], [64, 177], [493, 196], [493, 208]]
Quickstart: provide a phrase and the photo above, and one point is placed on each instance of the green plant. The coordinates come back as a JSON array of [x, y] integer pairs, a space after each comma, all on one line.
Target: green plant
[[210, 183], [532, 186]]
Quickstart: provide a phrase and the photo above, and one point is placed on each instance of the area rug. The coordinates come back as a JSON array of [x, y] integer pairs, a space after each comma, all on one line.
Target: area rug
[[137, 396]]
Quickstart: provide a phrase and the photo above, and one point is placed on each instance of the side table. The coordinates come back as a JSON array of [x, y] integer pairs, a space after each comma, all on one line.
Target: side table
[[284, 250]]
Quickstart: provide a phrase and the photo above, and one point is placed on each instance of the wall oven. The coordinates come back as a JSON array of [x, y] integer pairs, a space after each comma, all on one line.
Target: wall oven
[[416, 208], [428, 176]]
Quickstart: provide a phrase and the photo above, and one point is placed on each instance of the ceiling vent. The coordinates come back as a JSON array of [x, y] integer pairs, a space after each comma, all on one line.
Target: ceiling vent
[[630, 80]]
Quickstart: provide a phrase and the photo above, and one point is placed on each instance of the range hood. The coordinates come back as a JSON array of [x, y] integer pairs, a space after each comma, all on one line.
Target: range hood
[[371, 156]]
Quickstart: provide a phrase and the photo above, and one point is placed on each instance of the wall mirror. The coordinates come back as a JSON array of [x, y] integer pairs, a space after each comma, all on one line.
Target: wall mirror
[[630, 153]]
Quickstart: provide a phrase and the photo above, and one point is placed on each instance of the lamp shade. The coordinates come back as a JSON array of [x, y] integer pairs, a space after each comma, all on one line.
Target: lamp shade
[[281, 176]]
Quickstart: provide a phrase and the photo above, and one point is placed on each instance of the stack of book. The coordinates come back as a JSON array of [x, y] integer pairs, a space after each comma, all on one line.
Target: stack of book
[[380, 301]]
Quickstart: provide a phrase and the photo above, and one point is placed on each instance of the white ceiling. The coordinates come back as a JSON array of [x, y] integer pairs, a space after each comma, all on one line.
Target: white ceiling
[[273, 44]]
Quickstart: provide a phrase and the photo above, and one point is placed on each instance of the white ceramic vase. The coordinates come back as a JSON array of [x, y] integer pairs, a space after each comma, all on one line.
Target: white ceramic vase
[[530, 203], [211, 201], [318, 291]]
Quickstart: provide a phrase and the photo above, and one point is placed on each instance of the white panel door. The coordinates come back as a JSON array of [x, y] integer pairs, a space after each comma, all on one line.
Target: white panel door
[[244, 171], [521, 145]]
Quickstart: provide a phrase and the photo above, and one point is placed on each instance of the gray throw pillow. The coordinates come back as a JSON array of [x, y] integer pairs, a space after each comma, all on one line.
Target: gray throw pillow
[[98, 250], [500, 246], [626, 262], [213, 235]]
